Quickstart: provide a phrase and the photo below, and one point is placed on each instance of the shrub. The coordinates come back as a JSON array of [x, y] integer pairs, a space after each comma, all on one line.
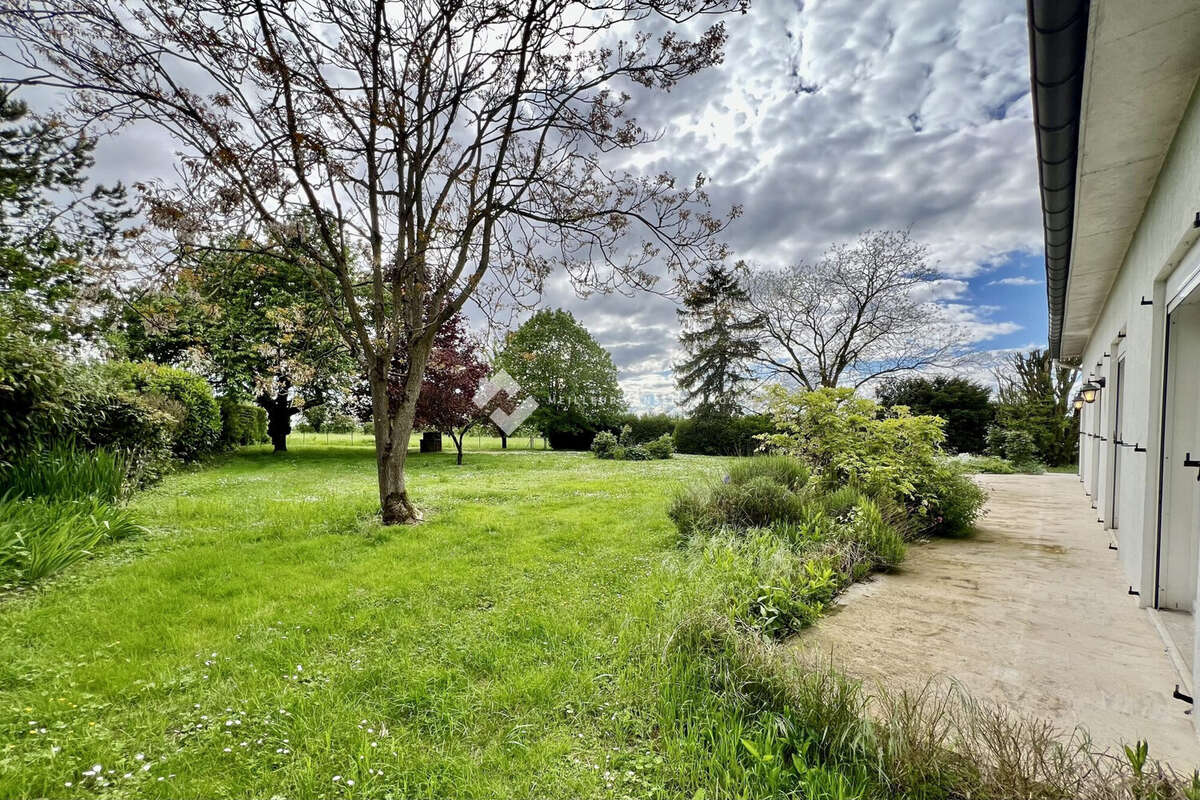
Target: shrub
[[567, 429], [720, 436], [106, 415], [992, 465], [636, 453], [662, 447], [788, 472], [1014, 444], [756, 503], [608, 446], [792, 600], [880, 538], [848, 439], [625, 436], [32, 389], [66, 472], [242, 423], [200, 428], [958, 501], [604, 445]]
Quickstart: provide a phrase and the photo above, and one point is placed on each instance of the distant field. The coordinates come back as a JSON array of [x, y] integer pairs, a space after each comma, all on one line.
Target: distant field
[[474, 441]]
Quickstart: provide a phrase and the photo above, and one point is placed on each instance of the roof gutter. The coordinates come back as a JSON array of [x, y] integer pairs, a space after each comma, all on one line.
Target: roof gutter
[[1057, 41]]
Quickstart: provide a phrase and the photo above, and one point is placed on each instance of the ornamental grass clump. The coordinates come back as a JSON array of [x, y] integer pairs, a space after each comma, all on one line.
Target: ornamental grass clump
[[66, 472], [40, 537], [57, 504]]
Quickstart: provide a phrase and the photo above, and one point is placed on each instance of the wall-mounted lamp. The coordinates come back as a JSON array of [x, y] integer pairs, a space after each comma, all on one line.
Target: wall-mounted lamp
[[1089, 389], [1078, 401]]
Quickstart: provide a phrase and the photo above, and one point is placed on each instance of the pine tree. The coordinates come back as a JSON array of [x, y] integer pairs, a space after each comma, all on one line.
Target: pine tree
[[718, 338], [61, 240]]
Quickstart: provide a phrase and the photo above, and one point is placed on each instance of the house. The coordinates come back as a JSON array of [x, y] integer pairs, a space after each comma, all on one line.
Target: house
[[1118, 137]]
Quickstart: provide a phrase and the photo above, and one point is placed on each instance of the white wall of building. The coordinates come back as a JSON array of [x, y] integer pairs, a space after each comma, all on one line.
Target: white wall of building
[[1128, 326]]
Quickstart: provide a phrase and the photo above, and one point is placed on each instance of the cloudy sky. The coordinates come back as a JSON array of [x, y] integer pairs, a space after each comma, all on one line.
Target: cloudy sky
[[828, 118]]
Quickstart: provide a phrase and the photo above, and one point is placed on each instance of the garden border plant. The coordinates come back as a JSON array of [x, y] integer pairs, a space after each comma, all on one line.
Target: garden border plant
[[766, 549], [624, 447]]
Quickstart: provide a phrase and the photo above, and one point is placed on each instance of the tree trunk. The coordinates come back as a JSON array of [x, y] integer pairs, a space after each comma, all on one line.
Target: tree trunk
[[503, 440], [394, 505], [394, 413], [279, 419], [458, 445]]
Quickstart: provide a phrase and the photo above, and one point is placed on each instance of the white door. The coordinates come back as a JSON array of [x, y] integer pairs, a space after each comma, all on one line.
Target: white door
[[1179, 532]]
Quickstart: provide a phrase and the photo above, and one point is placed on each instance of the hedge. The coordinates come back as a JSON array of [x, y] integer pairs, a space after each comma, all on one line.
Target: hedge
[[242, 423], [178, 393], [721, 436], [647, 427]]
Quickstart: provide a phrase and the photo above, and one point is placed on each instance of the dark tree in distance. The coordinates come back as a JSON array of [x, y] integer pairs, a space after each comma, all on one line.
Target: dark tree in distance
[[439, 150], [1035, 396], [719, 339], [965, 405]]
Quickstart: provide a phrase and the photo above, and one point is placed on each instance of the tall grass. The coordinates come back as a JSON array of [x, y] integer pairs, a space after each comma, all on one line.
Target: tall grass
[[56, 507], [66, 472], [742, 715], [40, 537], [747, 717]]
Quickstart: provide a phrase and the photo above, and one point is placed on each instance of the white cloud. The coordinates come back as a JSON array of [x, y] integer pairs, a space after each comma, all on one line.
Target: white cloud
[[1019, 280]]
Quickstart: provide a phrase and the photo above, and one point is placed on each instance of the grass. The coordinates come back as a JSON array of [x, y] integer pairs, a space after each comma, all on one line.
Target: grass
[[545, 634], [995, 465], [267, 636], [477, 441]]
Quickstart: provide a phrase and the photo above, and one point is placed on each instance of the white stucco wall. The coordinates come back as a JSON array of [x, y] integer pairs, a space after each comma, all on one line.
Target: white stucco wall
[[1168, 217]]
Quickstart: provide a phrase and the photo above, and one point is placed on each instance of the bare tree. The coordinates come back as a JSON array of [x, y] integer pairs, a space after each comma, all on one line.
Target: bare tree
[[406, 154], [857, 314]]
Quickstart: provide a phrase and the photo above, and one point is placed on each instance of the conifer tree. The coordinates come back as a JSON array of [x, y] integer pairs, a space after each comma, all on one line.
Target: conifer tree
[[719, 339]]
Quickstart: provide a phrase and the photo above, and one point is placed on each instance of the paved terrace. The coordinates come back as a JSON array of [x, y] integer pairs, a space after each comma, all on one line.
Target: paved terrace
[[1031, 612]]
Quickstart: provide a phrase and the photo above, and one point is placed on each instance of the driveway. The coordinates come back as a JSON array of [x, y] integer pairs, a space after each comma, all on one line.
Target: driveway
[[1032, 612]]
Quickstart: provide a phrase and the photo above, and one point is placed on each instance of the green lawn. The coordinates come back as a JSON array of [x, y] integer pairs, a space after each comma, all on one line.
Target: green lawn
[[266, 637]]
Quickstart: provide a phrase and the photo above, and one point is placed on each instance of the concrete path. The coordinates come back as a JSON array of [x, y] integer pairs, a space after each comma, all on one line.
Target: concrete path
[[1031, 612]]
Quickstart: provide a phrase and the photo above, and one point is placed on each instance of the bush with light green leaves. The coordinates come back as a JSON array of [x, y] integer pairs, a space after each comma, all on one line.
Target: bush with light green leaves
[[850, 440]]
